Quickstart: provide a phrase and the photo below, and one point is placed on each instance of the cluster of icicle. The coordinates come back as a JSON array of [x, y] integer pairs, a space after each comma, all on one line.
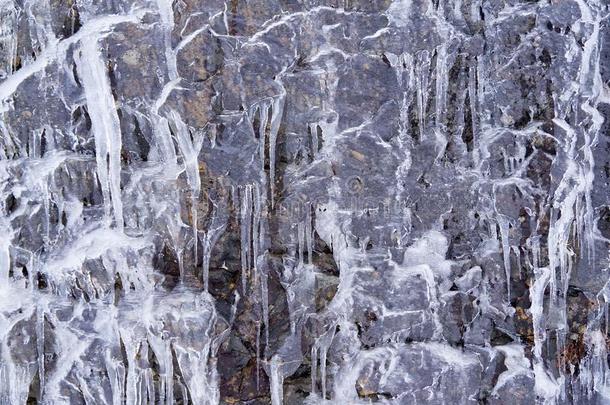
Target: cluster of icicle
[[85, 338], [572, 216], [119, 336]]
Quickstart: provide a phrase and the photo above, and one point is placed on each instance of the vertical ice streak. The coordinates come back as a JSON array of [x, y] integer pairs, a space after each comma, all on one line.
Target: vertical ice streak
[[442, 78], [309, 233], [504, 236], [245, 195], [265, 305], [571, 232], [260, 213], [215, 229], [40, 348], [257, 202], [264, 118], [5, 252], [13, 384], [473, 97], [8, 37], [301, 243], [545, 387], [116, 375], [163, 139], [277, 381], [323, 355], [320, 349], [166, 12], [168, 354], [422, 68], [190, 155], [403, 67], [314, 369], [104, 125], [276, 120], [39, 17], [206, 248]]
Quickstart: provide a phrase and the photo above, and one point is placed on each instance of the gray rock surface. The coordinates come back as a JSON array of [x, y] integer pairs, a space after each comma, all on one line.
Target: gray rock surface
[[304, 202]]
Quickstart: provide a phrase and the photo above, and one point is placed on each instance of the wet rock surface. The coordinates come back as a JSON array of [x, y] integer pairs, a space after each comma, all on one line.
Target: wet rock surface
[[304, 202]]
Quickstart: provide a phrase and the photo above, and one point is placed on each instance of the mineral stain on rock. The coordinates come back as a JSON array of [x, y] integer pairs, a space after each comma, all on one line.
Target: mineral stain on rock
[[304, 202]]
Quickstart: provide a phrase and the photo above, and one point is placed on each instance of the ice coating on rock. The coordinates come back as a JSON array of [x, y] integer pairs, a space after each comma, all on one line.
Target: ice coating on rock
[[105, 126], [304, 202]]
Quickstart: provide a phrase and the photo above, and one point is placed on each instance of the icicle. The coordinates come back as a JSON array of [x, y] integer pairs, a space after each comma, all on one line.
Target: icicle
[[40, 347], [163, 352], [104, 124], [199, 374], [246, 233], [258, 231], [588, 170], [163, 138], [7, 145], [421, 80], [309, 233], [321, 346], [8, 37], [504, 233], [403, 64], [116, 375], [207, 253], [473, 97], [5, 252], [150, 387], [263, 111], [301, 242], [442, 78], [277, 381], [173, 230], [14, 383], [314, 368], [545, 387], [46, 203], [166, 12], [276, 119], [596, 362], [256, 228], [36, 144], [190, 154], [562, 220], [323, 355], [265, 305], [214, 231]]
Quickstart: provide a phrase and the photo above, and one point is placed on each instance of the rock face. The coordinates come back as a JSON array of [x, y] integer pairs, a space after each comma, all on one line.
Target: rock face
[[304, 201]]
